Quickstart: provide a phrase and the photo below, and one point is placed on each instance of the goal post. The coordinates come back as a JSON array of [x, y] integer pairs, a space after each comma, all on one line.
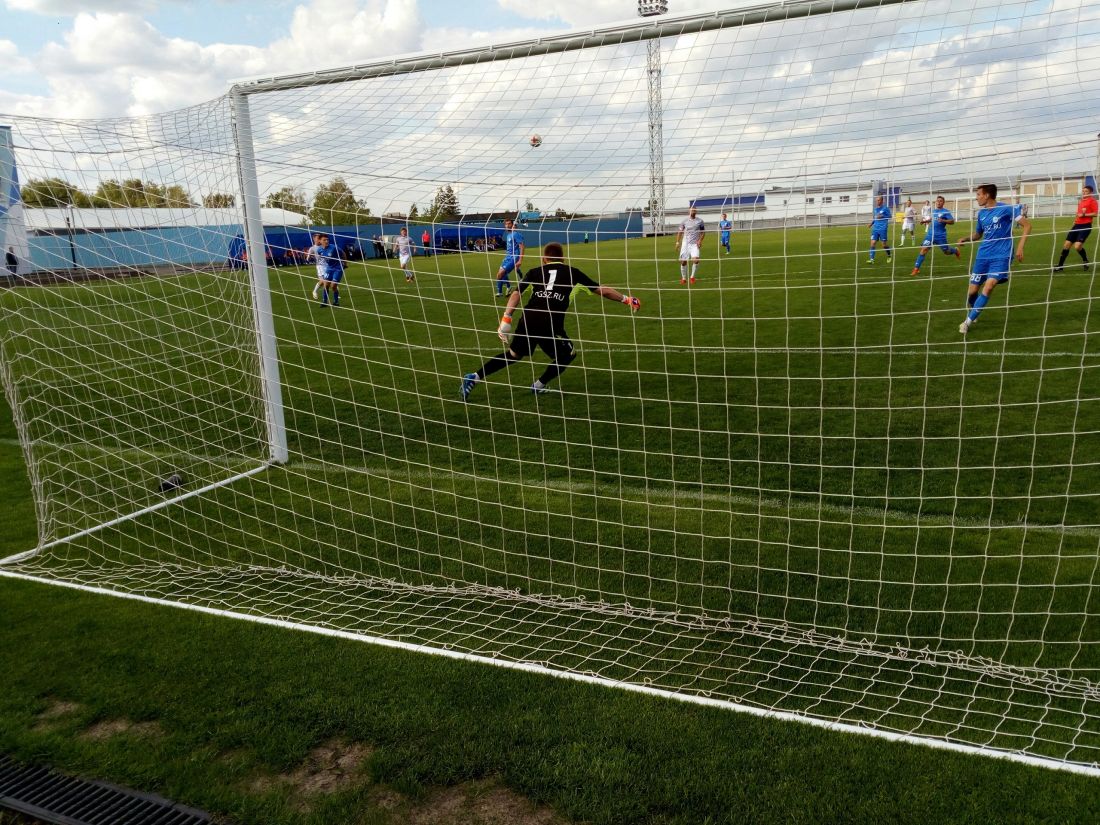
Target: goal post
[[261, 288], [788, 484]]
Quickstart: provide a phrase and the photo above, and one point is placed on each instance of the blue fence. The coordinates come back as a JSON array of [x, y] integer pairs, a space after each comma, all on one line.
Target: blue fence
[[217, 245]]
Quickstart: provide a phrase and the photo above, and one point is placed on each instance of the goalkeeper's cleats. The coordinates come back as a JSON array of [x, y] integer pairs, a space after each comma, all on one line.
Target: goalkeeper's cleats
[[692, 279], [538, 388], [469, 380]]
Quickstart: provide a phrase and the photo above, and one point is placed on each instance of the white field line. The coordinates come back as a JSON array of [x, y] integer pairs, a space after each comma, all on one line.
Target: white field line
[[828, 724]]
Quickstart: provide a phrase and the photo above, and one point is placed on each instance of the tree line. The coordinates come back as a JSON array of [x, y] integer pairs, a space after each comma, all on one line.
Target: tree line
[[333, 204]]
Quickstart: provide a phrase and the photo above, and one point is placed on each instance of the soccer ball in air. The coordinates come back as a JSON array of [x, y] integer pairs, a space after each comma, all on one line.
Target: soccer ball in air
[[535, 141]]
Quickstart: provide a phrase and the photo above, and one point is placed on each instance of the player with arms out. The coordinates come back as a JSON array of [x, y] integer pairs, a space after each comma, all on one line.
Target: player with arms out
[[724, 227], [513, 257], [991, 265], [880, 228], [1082, 227], [692, 231], [542, 323], [403, 246], [938, 221], [909, 223]]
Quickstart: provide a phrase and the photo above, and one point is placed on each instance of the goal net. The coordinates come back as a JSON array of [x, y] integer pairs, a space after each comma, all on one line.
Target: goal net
[[788, 483]]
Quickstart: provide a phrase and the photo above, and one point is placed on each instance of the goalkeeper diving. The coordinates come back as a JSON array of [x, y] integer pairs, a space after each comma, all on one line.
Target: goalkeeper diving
[[542, 323]]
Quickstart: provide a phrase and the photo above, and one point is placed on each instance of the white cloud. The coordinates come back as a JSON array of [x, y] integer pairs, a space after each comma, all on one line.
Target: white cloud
[[71, 8], [578, 13], [12, 61], [114, 63]]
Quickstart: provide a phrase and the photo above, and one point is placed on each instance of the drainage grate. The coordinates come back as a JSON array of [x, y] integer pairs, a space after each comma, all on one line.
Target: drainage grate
[[65, 800]]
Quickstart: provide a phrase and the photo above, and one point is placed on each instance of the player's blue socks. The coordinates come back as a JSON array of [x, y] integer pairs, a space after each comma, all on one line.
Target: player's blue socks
[[977, 307], [919, 262], [502, 284], [872, 254], [970, 299]]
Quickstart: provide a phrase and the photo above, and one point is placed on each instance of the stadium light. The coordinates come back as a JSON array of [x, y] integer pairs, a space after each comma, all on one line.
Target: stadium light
[[652, 8]]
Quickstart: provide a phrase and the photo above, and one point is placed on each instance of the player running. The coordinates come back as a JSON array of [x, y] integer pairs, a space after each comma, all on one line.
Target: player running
[[692, 231], [542, 323], [513, 257], [1082, 227], [991, 264], [938, 221], [909, 223], [312, 254], [724, 227], [403, 245], [880, 228]]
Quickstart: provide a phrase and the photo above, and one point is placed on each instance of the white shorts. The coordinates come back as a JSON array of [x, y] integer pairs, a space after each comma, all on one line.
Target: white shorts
[[322, 271], [689, 250], [908, 225], [404, 259]]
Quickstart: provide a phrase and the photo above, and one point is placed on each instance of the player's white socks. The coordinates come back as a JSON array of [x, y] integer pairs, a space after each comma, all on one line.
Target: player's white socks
[[683, 270], [315, 291], [693, 268]]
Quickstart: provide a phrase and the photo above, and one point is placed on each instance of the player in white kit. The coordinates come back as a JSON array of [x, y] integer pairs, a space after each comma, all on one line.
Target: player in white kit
[[691, 232], [908, 223], [404, 248]]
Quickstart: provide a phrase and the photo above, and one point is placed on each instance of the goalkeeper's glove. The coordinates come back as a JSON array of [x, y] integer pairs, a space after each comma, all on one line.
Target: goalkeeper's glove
[[505, 328], [633, 303]]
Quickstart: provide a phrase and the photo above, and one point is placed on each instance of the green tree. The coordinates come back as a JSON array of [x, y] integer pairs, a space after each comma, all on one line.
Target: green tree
[[334, 204], [48, 193], [219, 200], [291, 198], [444, 206], [176, 196], [139, 194], [414, 213]]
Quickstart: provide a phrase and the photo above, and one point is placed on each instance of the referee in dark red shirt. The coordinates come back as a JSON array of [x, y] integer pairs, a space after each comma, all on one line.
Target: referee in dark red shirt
[[1082, 226]]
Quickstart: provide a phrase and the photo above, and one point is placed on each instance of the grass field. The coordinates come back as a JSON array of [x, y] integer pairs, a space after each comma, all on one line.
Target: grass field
[[792, 484]]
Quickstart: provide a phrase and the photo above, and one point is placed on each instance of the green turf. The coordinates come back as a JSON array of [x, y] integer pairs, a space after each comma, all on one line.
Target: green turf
[[233, 702], [759, 487]]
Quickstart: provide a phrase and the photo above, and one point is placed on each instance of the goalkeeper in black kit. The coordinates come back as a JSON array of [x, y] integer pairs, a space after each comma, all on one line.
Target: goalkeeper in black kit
[[542, 323]]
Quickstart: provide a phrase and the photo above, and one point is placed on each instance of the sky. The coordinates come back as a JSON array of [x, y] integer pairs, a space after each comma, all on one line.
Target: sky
[[915, 91], [109, 58]]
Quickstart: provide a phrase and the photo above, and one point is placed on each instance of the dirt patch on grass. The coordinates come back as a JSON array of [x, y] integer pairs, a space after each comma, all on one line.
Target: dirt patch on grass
[[481, 803], [55, 713], [329, 768], [110, 728]]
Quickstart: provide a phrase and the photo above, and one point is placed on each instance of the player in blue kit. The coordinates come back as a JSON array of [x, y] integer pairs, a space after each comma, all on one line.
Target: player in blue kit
[[513, 257], [938, 221], [991, 264], [724, 227], [880, 228], [330, 269]]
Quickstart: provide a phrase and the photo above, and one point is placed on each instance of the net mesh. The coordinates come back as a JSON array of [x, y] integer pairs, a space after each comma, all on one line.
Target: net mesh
[[789, 484]]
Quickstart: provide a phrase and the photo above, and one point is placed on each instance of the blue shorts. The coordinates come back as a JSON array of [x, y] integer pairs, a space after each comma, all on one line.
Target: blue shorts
[[334, 276], [929, 242], [508, 265], [878, 235], [986, 268], [725, 238]]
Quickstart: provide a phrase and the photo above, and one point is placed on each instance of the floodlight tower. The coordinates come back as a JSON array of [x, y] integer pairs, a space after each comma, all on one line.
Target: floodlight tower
[[654, 8]]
